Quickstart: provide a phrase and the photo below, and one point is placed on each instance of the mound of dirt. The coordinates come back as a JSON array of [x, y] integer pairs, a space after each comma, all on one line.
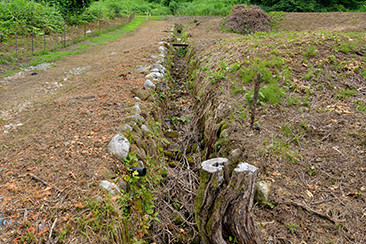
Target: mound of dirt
[[248, 19]]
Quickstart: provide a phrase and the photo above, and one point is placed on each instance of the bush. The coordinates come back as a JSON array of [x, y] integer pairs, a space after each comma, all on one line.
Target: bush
[[205, 8], [309, 6], [117, 8], [24, 16]]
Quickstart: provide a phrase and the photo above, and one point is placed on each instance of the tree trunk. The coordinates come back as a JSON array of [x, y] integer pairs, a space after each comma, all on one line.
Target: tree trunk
[[224, 202]]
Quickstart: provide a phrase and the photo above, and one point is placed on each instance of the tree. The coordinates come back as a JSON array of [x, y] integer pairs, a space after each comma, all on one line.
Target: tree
[[308, 6], [68, 7]]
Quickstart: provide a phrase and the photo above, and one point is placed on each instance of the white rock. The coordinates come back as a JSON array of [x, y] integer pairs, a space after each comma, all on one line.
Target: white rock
[[145, 129], [124, 128], [136, 108], [163, 43], [163, 49], [155, 70], [235, 154], [262, 191], [158, 66], [154, 75], [109, 186], [134, 118], [119, 146], [149, 84]]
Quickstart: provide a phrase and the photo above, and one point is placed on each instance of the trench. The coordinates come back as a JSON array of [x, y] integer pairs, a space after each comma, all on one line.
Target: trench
[[183, 147], [191, 127]]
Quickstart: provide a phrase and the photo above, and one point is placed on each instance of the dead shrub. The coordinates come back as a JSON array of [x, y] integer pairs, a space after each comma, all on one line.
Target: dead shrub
[[248, 19]]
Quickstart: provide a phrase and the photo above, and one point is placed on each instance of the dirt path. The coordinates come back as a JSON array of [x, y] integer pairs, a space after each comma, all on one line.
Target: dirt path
[[56, 125]]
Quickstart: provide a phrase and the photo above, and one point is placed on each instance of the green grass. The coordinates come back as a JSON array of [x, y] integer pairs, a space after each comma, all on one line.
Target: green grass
[[51, 57], [311, 51], [292, 228], [99, 40], [344, 94], [271, 93], [361, 106], [294, 100], [281, 149]]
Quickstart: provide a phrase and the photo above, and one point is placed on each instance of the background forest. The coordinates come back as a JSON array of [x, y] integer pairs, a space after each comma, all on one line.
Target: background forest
[[53, 14]]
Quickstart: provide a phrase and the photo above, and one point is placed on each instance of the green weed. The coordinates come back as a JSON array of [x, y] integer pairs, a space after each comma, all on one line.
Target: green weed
[[220, 74], [310, 52], [271, 93], [292, 228], [235, 67], [310, 73], [269, 69], [359, 104], [345, 47], [312, 171], [344, 94], [30, 237], [306, 100], [281, 149], [294, 100]]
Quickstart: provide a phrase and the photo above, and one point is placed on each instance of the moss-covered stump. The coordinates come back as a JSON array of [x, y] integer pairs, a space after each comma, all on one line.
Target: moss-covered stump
[[224, 202]]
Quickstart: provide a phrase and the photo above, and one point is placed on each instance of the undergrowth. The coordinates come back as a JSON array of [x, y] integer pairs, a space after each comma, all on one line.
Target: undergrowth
[[117, 32]]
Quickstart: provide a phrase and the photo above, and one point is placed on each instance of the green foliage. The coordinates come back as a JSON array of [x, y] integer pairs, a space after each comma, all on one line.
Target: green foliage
[[310, 52], [294, 100], [68, 7], [25, 16], [342, 95], [309, 6], [359, 104], [271, 93], [281, 149], [120, 218], [115, 8], [269, 69], [292, 228], [220, 73]]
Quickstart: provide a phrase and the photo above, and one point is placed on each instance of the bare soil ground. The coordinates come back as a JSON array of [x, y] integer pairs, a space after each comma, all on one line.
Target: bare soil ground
[[317, 174], [336, 21], [65, 129]]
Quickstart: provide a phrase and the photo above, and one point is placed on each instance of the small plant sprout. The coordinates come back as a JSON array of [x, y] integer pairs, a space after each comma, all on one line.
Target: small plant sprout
[[292, 227]]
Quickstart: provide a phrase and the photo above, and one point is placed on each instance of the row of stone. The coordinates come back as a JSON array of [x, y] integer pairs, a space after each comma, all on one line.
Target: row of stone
[[119, 146], [157, 70]]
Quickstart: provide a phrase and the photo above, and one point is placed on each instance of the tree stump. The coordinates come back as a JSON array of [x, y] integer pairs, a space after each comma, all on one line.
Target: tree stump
[[224, 202]]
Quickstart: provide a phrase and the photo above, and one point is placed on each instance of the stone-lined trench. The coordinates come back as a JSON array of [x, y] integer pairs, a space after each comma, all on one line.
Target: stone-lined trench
[[187, 130]]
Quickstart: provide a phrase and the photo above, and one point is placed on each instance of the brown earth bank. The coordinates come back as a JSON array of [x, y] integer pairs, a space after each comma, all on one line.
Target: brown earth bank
[[311, 148], [308, 152], [336, 21]]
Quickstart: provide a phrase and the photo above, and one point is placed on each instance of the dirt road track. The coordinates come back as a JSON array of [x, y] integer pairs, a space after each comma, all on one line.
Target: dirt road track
[[66, 125]]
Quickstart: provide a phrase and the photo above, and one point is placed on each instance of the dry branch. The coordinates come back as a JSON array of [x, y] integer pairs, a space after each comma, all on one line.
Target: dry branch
[[255, 98], [52, 227], [299, 205], [35, 178]]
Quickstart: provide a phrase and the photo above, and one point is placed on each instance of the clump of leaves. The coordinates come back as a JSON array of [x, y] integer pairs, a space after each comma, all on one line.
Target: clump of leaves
[[292, 227]]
